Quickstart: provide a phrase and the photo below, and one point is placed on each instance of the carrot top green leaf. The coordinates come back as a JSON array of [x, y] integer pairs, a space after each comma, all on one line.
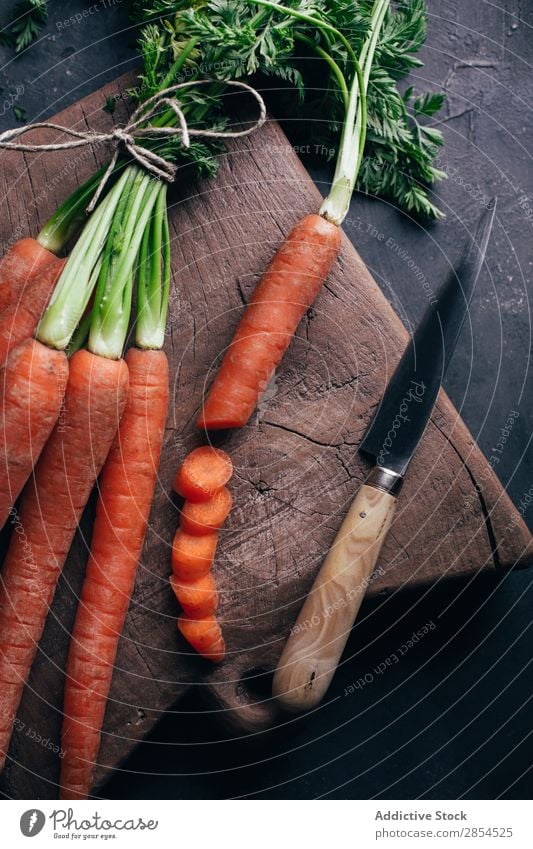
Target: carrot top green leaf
[[365, 46]]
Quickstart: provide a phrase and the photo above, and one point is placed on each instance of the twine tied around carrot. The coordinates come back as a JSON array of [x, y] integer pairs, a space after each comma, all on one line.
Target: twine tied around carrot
[[137, 128]]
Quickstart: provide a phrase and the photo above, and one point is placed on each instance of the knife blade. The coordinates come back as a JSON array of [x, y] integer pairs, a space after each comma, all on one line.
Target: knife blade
[[317, 640]]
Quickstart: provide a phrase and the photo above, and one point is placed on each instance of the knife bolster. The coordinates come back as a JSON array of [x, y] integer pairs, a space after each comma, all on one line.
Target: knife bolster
[[385, 479]]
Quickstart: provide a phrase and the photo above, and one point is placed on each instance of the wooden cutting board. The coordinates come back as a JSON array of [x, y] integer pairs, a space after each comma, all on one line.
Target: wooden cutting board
[[296, 466]]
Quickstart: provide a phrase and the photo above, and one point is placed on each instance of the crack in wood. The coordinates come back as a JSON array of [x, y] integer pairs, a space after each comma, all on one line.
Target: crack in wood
[[479, 490]]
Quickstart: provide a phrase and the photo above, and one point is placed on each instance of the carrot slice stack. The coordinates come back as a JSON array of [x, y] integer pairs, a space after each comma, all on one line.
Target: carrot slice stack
[[202, 481]]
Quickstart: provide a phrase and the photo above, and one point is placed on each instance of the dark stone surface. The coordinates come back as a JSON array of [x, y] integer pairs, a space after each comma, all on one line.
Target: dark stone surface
[[452, 718]]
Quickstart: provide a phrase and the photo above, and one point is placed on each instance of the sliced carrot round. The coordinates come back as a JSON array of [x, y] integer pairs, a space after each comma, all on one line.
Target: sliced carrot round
[[203, 472], [204, 517], [198, 598], [205, 636], [192, 556]]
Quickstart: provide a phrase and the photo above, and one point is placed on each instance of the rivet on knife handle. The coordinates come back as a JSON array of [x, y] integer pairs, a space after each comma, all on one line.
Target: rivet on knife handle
[[318, 638]]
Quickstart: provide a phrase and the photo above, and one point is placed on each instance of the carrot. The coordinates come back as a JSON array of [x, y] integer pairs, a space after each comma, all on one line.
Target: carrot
[[126, 489], [21, 263], [283, 295], [32, 385], [203, 472], [205, 636], [128, 481], [202, 480], [192, 556], [20, 319], [50, 509], [206, 516], [197, 598]]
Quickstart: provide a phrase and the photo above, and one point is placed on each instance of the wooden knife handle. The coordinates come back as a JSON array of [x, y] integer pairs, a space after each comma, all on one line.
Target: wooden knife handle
[[318, 638]]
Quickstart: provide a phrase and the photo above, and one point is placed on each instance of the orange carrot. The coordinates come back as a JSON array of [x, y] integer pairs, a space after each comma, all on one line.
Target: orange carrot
[[126, 489], [203, 472], [32, 385], [21, 263], [197, 598], [204, 517], [50, 509], [202, 480], [205, 636], [192, 556], [20, 319], [283, 295]]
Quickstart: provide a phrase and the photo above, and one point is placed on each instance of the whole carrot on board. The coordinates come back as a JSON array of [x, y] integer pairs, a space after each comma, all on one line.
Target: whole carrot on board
[[126, 489], [362, 57], [95, 397]]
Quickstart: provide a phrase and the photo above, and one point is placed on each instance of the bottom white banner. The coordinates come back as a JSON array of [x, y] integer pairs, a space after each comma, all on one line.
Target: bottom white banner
[[264, 824]]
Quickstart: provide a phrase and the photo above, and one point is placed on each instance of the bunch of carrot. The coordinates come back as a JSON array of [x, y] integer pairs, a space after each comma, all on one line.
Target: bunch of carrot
[[61, 414], [201, 481]]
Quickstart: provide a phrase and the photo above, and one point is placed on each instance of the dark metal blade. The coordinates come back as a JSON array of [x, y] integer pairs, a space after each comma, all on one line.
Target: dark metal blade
[[396, 429]]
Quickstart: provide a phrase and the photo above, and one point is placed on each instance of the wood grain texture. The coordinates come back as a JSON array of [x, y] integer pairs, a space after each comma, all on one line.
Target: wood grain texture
[[296, 464], [319, 635]]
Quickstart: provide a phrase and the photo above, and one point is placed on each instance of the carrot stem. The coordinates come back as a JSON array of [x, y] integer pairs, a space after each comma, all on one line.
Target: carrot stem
[[70, 216], [80, 336], [336, 205], [112, 307], [78, 279], [154, 278]]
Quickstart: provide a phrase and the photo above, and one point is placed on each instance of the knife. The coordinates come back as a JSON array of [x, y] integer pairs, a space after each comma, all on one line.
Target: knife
[[317, 640]]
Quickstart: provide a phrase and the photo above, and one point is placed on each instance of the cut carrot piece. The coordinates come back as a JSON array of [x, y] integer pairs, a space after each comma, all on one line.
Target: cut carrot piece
[[197, 598], [205, 636], [284, 294], [203, 472], [192, 556], [204, 517]]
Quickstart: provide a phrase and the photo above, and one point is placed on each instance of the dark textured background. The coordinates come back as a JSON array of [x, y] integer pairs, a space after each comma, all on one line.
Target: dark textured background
[[453, 718]]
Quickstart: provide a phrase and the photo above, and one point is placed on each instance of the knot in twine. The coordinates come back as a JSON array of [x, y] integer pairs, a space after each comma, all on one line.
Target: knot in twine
[[137, 128]]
